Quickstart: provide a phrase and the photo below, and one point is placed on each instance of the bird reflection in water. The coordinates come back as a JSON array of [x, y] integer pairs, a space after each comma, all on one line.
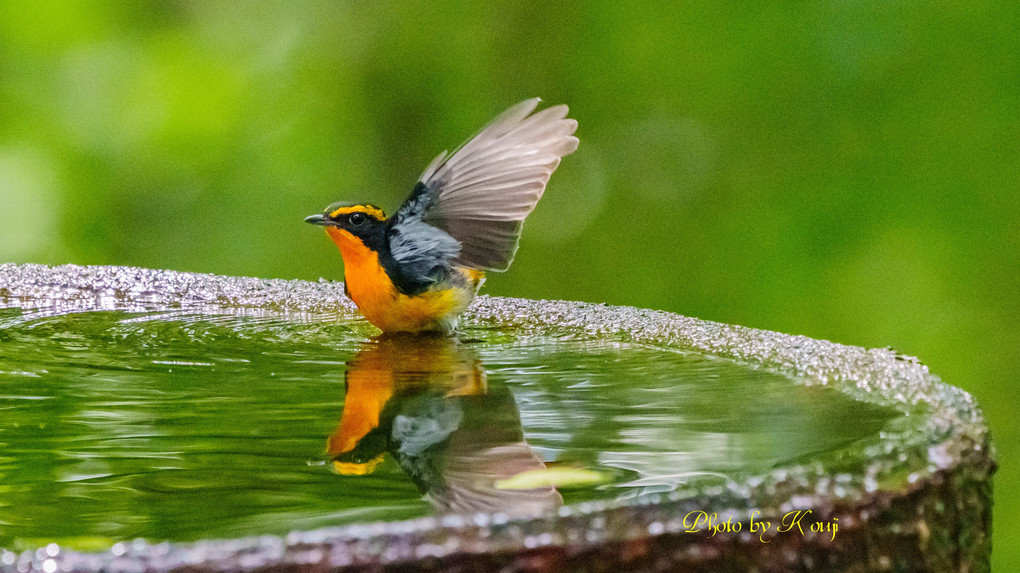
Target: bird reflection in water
[[425, 400]]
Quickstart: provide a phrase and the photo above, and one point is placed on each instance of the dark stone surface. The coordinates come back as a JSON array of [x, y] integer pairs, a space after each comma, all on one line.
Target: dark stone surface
[[921, 502]]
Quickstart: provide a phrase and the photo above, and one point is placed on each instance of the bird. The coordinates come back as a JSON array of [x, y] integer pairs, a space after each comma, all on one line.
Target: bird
[[418, 270]]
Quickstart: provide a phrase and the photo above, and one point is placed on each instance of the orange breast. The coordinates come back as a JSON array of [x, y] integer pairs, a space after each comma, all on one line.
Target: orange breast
[[373, 291]]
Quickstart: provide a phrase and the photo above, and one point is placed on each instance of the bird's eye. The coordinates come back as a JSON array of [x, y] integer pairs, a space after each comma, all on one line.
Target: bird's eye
[[357, 219]]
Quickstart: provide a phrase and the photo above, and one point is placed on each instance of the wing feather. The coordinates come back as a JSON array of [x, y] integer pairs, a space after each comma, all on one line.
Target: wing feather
[[481, 193]]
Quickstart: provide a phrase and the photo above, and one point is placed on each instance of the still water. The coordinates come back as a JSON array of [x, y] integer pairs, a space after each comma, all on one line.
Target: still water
[[178, 426]]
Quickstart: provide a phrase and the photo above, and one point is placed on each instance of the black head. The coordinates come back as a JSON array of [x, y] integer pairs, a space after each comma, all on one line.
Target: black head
[[362, 221]]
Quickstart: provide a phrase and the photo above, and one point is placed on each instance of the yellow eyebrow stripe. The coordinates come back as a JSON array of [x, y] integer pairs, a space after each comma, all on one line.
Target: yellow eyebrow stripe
[[369, 210]]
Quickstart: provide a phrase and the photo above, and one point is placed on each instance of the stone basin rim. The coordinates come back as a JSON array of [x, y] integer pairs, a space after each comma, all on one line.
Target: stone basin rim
[[876, 375]]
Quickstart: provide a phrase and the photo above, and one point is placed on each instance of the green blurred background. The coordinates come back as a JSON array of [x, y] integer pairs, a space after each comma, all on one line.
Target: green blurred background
[[843, 170]]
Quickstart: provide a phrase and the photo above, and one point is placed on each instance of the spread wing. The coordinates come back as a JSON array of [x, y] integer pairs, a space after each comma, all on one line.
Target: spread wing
[[481, 193]]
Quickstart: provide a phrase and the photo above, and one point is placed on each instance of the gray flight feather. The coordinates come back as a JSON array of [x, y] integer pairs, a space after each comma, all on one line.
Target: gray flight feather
[[482, 192], [421, 250]]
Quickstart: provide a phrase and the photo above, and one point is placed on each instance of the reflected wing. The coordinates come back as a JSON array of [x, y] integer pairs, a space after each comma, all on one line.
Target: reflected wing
[[469, 476], [482, 192]]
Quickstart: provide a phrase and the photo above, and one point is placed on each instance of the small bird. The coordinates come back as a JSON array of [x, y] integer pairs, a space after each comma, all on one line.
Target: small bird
[[418, 270]]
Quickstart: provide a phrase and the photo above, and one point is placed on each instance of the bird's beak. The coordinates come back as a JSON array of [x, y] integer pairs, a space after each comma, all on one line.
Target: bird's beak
[[320, 219]]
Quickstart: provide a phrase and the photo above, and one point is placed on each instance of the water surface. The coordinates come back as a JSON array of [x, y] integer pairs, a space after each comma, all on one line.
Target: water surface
[[178, 426]]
